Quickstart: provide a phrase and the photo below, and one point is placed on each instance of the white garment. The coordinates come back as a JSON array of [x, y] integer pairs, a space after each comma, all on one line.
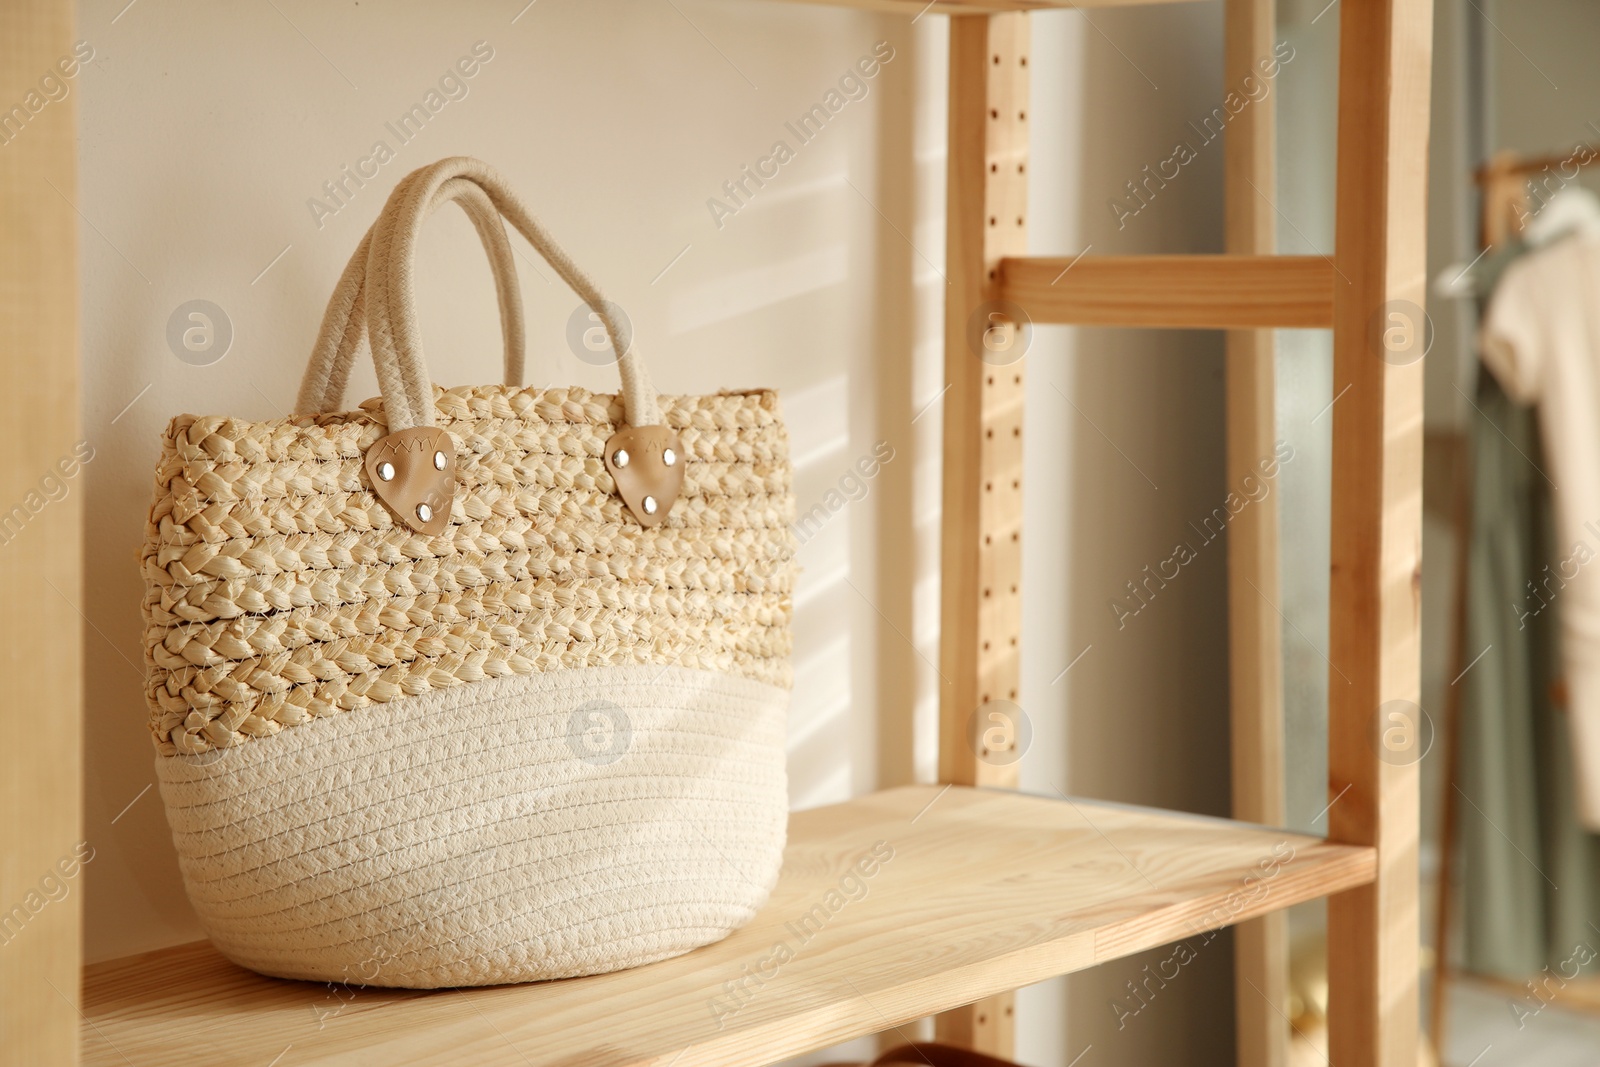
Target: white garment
[[1541, 339]]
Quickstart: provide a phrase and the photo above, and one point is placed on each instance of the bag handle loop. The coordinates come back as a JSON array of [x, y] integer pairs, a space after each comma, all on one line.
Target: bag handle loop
[[390, 287], [342, 338]]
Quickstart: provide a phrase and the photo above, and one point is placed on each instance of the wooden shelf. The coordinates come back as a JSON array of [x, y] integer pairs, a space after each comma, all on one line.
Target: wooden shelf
[[1213, 292], [985, 891]]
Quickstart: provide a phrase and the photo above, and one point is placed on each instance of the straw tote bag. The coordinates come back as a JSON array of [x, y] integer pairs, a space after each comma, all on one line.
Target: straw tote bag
[[474, 685]]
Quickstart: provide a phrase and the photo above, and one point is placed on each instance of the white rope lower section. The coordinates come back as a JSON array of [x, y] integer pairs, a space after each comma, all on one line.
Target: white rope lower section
[[525, 828]]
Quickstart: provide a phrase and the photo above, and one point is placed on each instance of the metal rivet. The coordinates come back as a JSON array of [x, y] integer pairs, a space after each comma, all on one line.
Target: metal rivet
[[619, 458], [669, 457], [438, 461], [649, 505], [386, 471], [425, 513]]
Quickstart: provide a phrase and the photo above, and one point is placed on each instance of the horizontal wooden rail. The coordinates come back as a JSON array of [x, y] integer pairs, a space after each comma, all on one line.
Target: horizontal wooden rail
[[1173, 292]]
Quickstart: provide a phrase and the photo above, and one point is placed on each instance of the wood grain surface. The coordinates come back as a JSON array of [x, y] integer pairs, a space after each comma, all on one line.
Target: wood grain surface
[[919, 899]]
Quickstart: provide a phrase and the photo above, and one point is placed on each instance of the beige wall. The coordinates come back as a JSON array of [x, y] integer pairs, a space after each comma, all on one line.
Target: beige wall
[[1124, 449], [206, 129]]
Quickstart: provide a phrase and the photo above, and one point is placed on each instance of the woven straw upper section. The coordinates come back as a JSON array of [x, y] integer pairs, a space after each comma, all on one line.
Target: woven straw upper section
[[279, 589]]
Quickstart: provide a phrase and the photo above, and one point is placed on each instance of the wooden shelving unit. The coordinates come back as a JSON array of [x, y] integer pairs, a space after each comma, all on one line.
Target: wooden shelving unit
[[41, 576], [982, 891], [986, 890]]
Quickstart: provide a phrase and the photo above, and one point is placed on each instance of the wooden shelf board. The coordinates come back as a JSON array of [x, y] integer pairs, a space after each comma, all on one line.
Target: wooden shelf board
[[914, 8], [986, 891], [1213, 292]]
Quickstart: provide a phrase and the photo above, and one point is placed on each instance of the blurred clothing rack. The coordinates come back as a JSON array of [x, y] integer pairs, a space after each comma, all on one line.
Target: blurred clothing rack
[[1513, 188], [1504, 183]]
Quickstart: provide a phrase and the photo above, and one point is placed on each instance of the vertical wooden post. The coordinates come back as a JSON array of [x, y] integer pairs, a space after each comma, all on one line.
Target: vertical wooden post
[[41, 547], [1255, 668], [982, 526], [1385, 52]]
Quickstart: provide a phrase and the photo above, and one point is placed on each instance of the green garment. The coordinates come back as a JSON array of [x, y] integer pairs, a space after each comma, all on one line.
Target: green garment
[[1531, 890]]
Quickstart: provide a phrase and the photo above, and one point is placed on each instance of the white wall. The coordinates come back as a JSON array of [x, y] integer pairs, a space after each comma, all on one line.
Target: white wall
[[205, 129]]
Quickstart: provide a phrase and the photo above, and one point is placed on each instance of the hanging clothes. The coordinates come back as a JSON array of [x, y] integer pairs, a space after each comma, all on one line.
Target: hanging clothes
[[1541, 339], [1531, 874]]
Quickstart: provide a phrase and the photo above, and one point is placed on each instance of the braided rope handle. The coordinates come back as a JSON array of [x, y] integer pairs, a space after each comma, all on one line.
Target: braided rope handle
[[343, 336], [390, 287]]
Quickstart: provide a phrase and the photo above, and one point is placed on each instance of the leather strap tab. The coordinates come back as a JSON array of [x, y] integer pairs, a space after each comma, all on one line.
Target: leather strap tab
[[646, 462], [414, 473]]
